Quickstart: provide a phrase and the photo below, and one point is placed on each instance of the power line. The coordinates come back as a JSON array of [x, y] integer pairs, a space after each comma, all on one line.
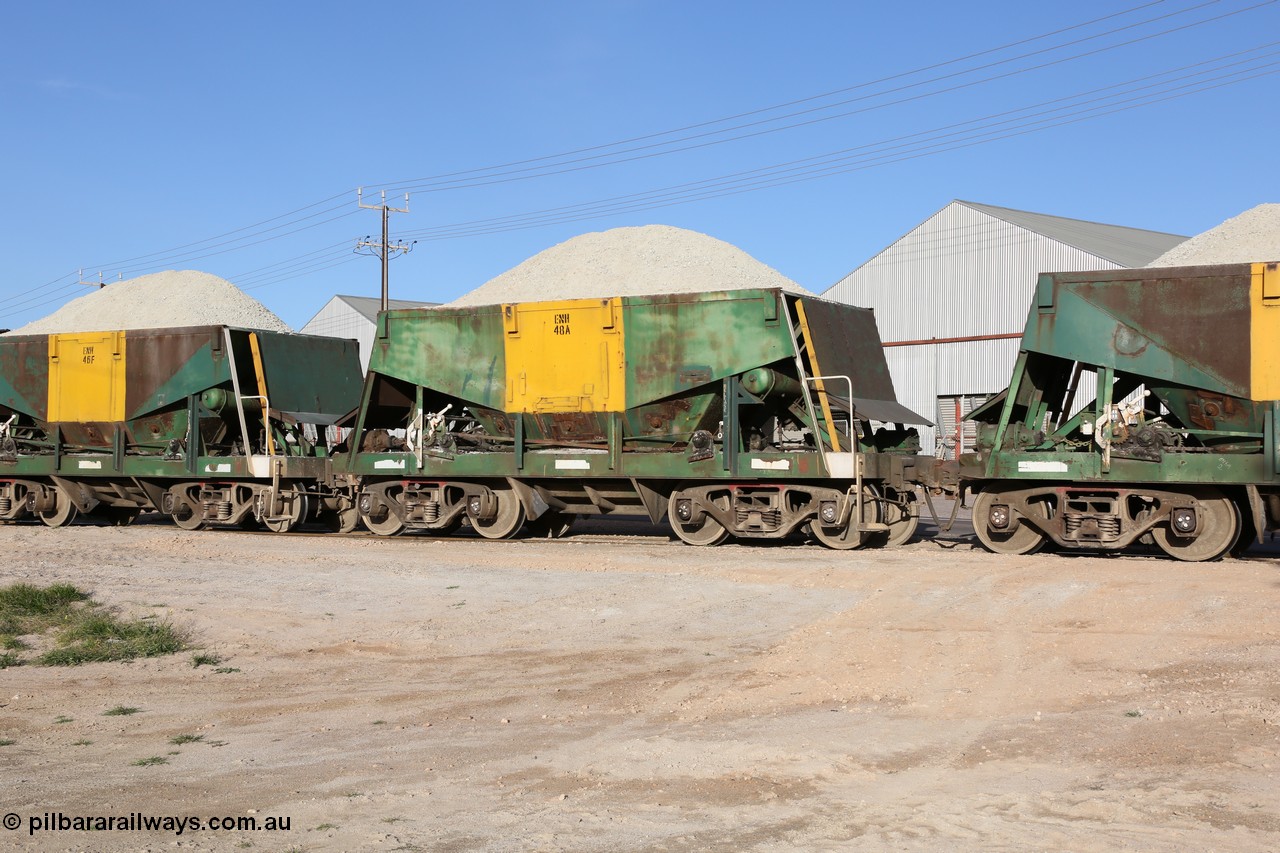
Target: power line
[[703, 193], [418, 182], [933, 93], [874, 154], [492, 177], [169, 255], [246, 234], [605, 205]]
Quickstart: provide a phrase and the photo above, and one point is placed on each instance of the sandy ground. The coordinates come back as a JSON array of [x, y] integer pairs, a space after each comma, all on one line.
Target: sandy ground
[[626, 692]]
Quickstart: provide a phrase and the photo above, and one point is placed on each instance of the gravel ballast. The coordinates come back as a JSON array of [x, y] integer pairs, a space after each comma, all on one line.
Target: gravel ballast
[[631, 261], [1250, 237], [161, 300]]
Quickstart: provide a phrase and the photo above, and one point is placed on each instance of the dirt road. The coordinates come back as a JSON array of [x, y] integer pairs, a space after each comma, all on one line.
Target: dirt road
[[608, 693]]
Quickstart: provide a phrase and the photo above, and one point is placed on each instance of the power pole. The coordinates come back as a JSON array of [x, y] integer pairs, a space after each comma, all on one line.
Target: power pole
[[100, 283], [383, 248]]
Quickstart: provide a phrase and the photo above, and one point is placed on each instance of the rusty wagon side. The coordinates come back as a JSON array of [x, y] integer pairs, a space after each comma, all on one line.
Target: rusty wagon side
[[746, 413], [208, 424], [1178, 446]]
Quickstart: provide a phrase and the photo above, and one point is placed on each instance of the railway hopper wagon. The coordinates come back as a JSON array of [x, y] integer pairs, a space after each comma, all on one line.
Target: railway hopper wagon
[[209, 425], [740, 413], [1178, 446]]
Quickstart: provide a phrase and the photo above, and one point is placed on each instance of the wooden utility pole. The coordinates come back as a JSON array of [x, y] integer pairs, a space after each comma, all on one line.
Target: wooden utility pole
[[383, 248]]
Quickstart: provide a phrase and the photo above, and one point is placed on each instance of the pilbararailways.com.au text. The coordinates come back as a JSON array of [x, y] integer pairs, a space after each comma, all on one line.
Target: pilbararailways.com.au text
[[139, 822]]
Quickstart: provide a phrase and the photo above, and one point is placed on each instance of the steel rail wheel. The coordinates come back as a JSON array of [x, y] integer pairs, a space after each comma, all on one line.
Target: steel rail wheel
[[506, 521], [1024, 539], [340, 520], [902, 516], [187, 514], [294, 511], [1218, 519], [1248, 532], [63, 512], [389, 525], [851, 535], [705, 531]]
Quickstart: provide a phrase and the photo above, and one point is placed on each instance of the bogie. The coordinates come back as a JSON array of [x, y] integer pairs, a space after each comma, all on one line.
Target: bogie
[[1193, 524]]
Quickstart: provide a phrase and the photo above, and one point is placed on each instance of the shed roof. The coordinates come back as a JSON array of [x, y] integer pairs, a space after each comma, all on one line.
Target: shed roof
[[1129, 247], [369, 306]]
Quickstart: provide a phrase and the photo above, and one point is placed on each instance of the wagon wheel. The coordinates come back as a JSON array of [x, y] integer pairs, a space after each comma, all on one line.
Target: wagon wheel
[[386, 523], [902, 514], [506, 522], [342, 520], [1248, 532], [63, 512], [389, 525], [187, 513], [552, 524], [704, 531], [293, 510], [847, 537], [1024, 539], [1219, 523]]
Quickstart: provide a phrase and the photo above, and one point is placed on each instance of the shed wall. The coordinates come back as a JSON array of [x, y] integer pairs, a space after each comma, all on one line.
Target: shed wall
[[337, 319], [961, 273]]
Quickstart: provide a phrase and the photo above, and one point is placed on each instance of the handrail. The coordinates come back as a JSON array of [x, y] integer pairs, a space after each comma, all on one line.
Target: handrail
[[826, 407]]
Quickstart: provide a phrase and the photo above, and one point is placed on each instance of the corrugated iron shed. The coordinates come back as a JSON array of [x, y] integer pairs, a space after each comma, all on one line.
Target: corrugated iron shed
[[1128, 247]]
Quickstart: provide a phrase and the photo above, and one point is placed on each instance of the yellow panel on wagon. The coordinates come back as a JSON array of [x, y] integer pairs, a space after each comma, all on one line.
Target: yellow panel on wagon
[[86, 377], [565, 356], [1265, 334]]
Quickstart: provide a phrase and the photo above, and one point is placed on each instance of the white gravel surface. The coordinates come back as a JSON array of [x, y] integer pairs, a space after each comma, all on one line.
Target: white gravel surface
[[629, 262], [161, 300], [623, 692], [1250, 237]]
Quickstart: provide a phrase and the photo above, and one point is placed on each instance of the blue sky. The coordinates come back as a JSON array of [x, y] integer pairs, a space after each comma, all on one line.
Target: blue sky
[[230, 137]]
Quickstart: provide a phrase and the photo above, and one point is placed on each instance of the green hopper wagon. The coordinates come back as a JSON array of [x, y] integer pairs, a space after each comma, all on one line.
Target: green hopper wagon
[[209, 424], [747, 413], [1178, 445]]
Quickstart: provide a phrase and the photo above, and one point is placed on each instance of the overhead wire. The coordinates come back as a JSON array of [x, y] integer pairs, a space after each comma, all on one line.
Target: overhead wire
[[903, 100], [605, 204], [830, 169], [247, 234], [615, 157], [787, 104], [168, 255], [766, 177]]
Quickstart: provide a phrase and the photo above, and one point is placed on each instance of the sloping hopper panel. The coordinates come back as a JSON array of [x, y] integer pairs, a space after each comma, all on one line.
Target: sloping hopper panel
[[310, 375], [165, 366], [24, 375], [1189, 326], [456, 351], [678, 342], [846, 342]]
